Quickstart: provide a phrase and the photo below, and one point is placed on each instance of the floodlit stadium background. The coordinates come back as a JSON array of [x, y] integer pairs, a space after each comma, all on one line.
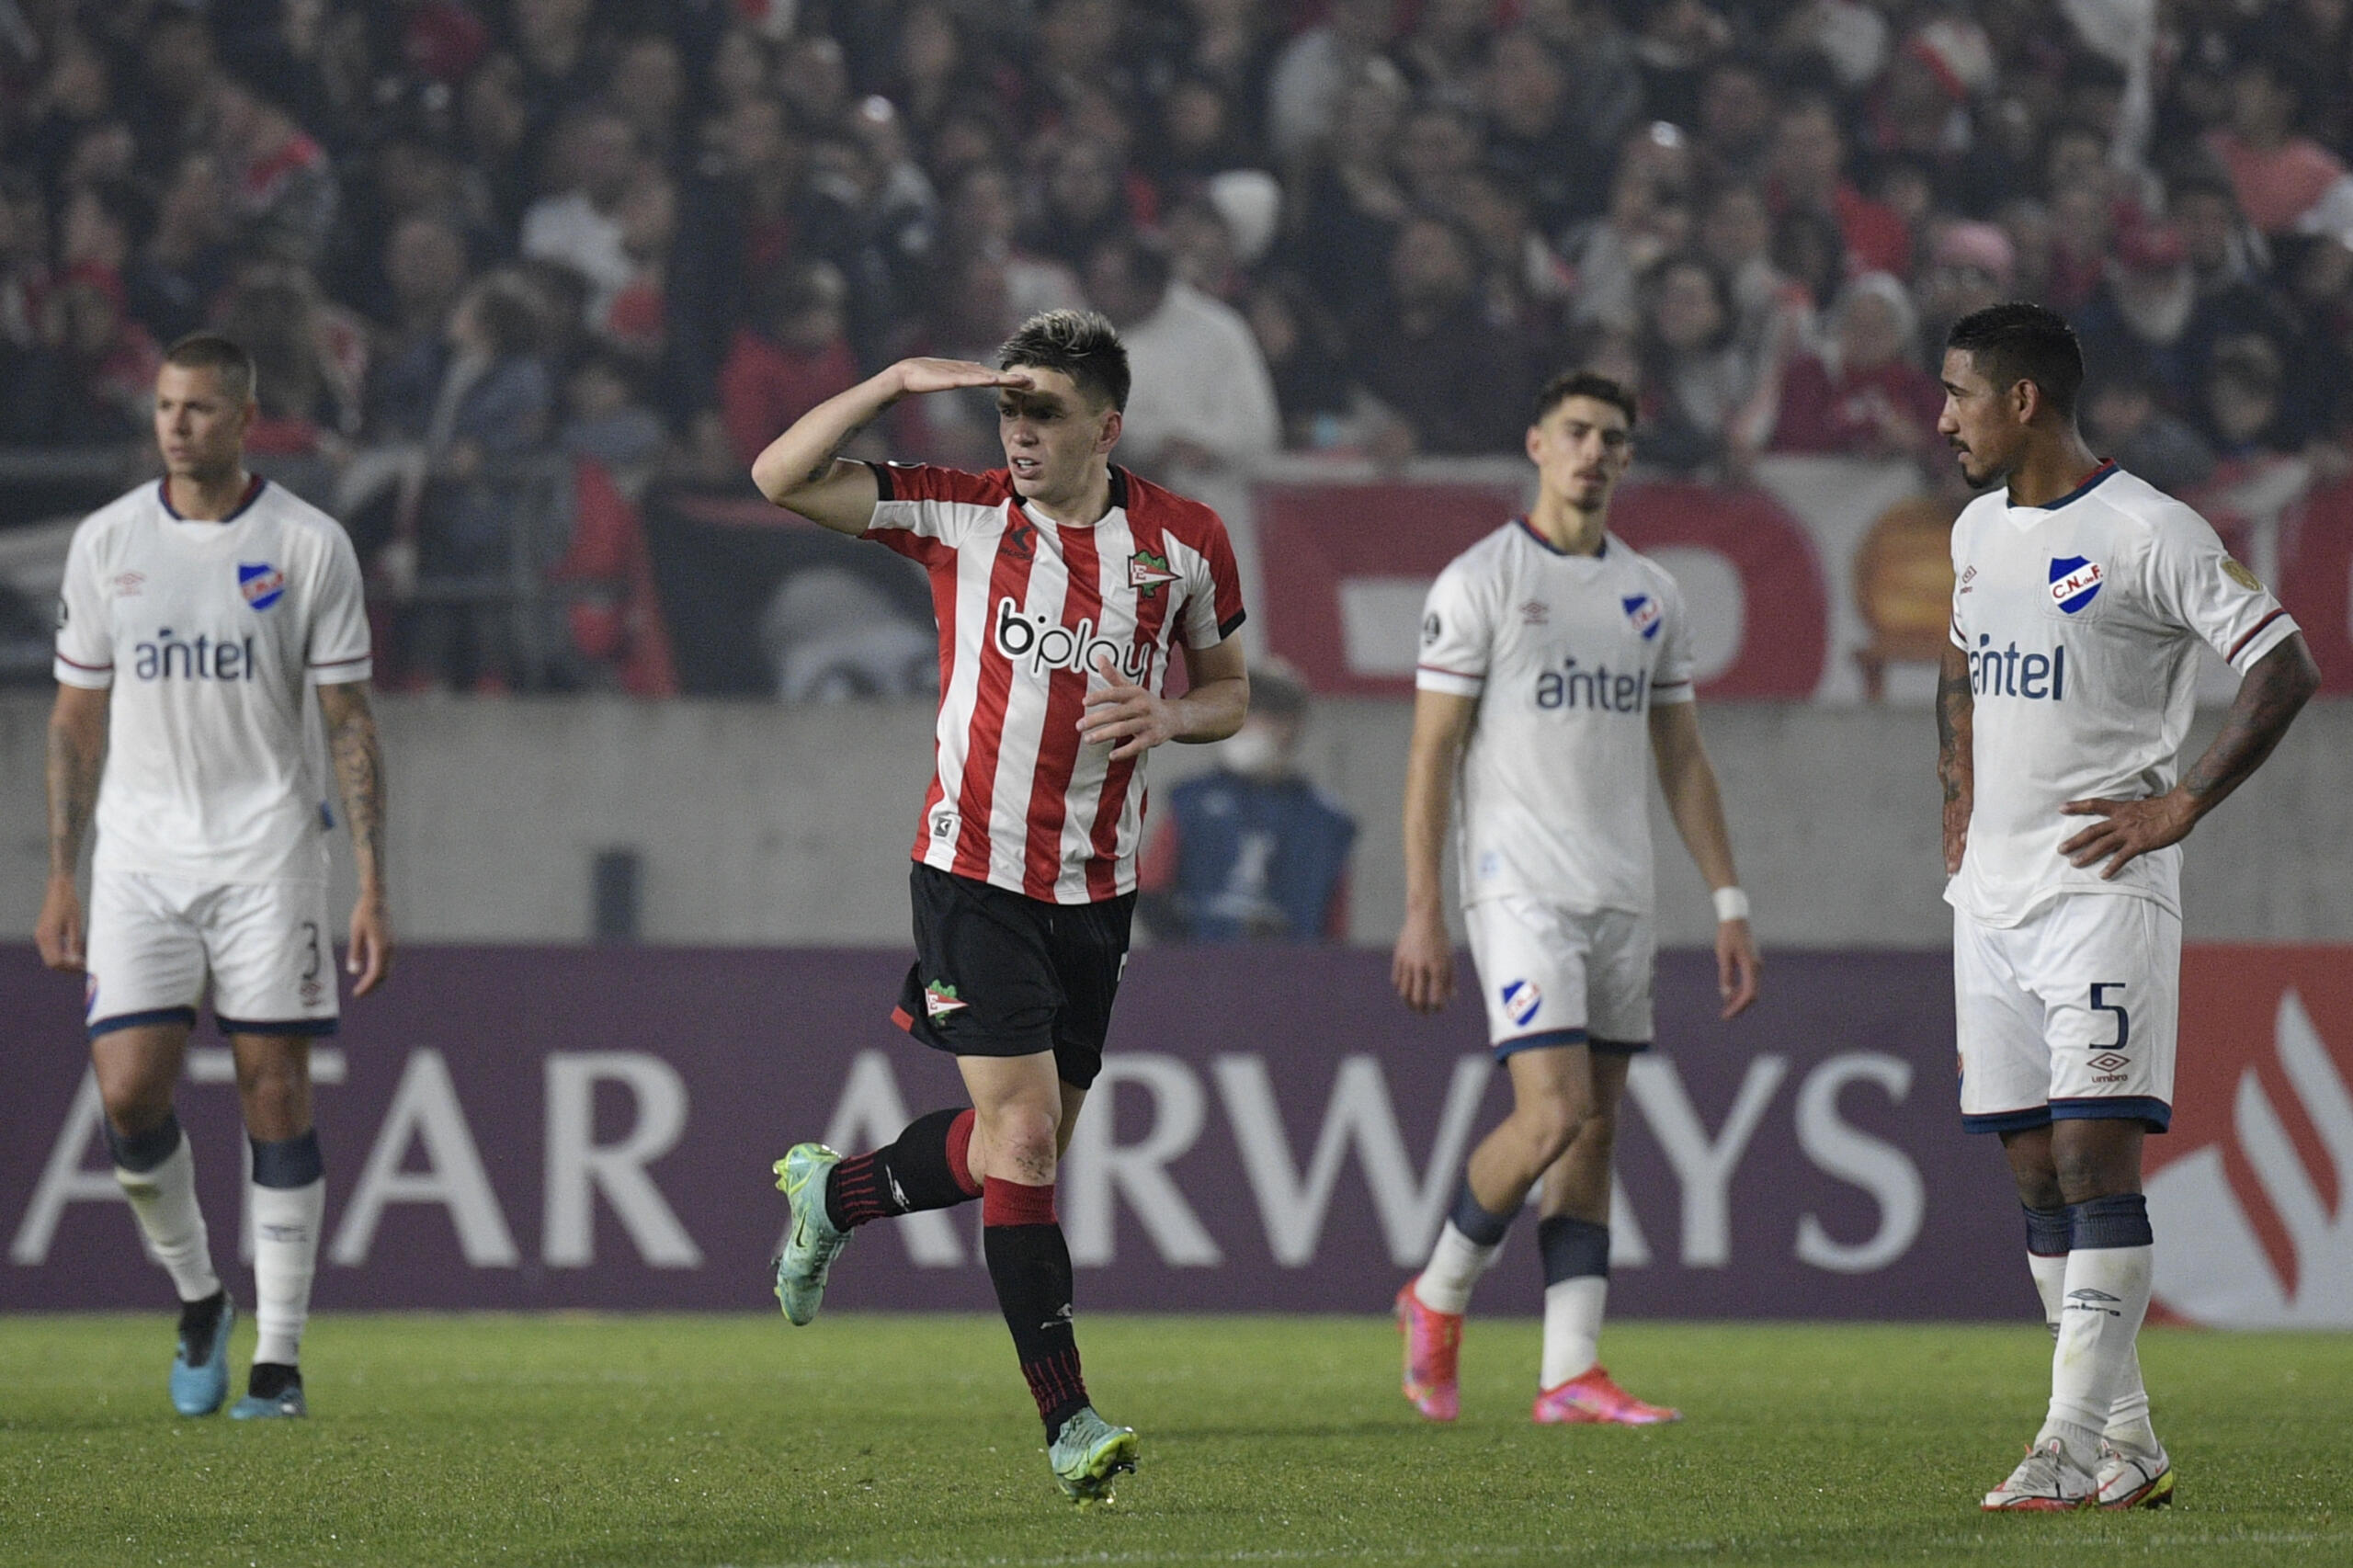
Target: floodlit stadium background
[[530, 282]]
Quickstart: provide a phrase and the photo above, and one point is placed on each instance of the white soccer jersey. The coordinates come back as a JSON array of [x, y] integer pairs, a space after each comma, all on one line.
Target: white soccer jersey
[[2081, 622], [211, 635], [1025, 609], [1567, 655]]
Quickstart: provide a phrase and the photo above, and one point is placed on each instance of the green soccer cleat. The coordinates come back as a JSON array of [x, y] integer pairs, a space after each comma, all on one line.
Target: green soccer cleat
[[1089, 1456], [813, 1244]]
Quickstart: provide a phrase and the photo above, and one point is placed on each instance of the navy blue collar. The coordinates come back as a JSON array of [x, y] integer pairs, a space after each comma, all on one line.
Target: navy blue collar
[[1529, 529], [253, 494], [2093, 480]]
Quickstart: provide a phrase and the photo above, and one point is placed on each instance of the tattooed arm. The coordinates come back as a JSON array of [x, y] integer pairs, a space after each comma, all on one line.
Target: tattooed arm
[[359, 779], [2270, 696], [802, 470], [1956, 765], [77, 751]]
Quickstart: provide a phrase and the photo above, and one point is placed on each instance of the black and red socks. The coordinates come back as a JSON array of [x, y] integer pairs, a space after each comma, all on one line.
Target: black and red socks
[[925, 1168], [1030, 1265]]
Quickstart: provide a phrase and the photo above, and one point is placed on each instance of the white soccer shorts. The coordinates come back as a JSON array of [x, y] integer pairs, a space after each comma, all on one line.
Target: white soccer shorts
[[2070, 1013], [1555, 976], [267, 946]]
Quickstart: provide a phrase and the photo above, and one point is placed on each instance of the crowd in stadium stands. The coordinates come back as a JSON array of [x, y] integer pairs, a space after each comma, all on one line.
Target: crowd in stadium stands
[[650, 232]]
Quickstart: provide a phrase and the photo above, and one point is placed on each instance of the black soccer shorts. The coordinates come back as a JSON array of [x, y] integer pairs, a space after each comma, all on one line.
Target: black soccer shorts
[[997, 973]]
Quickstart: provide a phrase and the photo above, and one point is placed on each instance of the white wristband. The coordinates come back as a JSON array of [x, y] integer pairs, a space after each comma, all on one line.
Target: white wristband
[[1731, 904]]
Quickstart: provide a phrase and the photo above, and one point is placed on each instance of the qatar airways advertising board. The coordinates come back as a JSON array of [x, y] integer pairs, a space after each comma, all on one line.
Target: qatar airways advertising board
[[541, 1127]]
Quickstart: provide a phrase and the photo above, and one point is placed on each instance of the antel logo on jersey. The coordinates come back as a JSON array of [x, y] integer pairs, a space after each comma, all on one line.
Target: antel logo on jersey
[[1643, 613], [1570, 686], [262, 583], [2075, 582], [1047, 645], [2005, 672], [193, 658], [1521, 1000]]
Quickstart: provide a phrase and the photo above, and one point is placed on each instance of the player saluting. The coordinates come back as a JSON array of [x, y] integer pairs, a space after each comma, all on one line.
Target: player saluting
[[1552, 658], [1061, 585], [2081, 596], [197, 612]]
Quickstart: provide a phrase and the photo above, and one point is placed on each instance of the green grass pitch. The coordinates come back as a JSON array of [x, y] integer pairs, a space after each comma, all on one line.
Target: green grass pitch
[[880, 1440]]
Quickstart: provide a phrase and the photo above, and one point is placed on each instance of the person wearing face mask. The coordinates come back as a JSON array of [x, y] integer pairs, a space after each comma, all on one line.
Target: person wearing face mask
[[1252, 851]]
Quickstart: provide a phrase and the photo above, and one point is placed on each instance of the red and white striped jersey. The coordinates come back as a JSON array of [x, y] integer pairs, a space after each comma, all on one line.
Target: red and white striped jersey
[[1025, 609]]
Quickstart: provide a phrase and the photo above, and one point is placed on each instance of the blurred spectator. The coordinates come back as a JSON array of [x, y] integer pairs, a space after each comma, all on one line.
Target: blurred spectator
[[1775, 312], [1706, 403], [1536, 138], [495, 125], [105, 362], [578, 223], [1862, 395], [1084, 202], [2151, 313], [1306, 355], [1455, 381], [2245, 409], [493, 404], [1735, 122], [795, 358], [1648, 218], [1201, 396], [1446, 49], [635, 321], [1313, 72], [648, 86], [1970, 266], [604, 420], [1353, 201], [279, 184], [2125, 421], [2286, 182], [984, 220], [186, 259], [1678, 41], [1251, 851], [424, 263], [1805, 171]]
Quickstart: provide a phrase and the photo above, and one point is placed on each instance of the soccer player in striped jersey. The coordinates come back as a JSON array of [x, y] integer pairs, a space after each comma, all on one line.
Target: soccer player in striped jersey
[[1063, 586]]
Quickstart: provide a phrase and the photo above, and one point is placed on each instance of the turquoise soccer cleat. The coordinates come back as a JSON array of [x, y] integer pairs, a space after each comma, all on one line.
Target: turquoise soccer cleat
[[286, 1403], [813, 1244], [1090, 1455], [199, 1379]]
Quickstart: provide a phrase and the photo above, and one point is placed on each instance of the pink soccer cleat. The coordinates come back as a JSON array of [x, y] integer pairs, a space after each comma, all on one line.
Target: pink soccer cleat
[[1592, 1399], [1432, 1341]]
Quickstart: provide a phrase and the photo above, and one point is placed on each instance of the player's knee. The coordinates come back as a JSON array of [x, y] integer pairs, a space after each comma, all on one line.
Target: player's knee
[[1553, 1126], [134, 1102], [1024, 1142]]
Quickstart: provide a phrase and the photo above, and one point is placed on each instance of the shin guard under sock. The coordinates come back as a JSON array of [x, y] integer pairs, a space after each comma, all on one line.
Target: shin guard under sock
[[158, 1175], [1030, 1265], [925, 1168]]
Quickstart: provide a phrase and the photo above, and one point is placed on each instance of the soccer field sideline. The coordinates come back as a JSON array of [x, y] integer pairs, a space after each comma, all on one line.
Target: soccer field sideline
[[883, 1441]]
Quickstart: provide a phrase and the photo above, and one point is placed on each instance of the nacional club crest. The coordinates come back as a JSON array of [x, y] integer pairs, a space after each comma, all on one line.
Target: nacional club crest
[[940, 999], [2075, 582], [1146, 572], [1521, 999], [1643, 612], [262, 583]]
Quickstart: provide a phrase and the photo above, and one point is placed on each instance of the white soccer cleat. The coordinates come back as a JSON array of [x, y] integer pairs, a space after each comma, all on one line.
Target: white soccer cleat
[[2133, 1481], [2046, 1481]]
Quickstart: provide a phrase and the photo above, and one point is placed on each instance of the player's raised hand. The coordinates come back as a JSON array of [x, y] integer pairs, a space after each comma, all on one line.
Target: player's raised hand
[[58, 932], [1123, 712], [2127, 829], [1737, 966], [1422, 966], [369, 958], [924, 375]]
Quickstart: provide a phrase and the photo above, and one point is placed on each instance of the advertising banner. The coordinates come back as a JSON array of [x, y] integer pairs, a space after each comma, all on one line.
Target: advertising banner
[[2252, 1192], [511, 1128]]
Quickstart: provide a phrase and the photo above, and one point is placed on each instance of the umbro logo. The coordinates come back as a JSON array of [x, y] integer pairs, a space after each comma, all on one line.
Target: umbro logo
[[2091, 1301], [2109, 1062], [1535, 612]]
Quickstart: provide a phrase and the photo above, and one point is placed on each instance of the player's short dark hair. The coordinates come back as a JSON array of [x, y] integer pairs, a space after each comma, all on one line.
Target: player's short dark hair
[[2020, 341], [1587, 383], [224, 357], [1082, 345]]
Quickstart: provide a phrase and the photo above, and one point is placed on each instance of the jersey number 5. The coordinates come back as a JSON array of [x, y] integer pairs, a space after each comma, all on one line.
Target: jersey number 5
[[2123, 1019]]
